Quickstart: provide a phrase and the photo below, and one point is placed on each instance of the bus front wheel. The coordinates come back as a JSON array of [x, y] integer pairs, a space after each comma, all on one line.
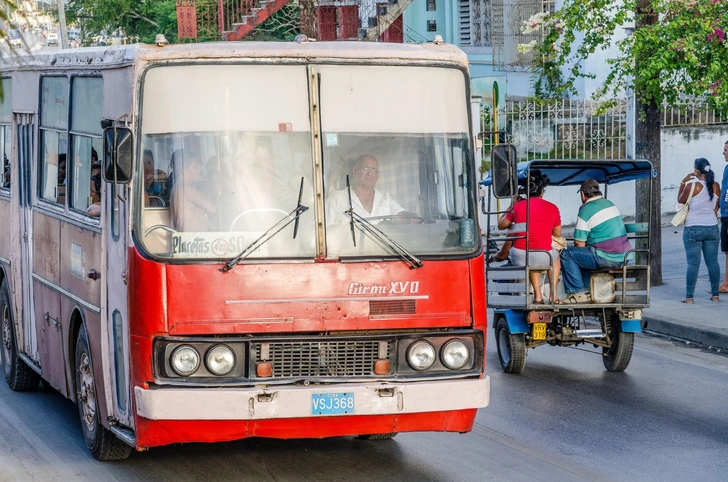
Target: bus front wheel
[[20, 377], [511, 348], [103, 444]]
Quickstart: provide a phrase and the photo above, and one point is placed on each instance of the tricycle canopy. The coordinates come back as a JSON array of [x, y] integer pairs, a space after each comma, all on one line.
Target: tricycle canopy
[[573, 172]]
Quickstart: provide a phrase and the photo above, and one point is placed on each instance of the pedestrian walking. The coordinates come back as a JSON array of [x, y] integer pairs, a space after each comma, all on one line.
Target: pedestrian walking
[[724, 219], [701, 233]]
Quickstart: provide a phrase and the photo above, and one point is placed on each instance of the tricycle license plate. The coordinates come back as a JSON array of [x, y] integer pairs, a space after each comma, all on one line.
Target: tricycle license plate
[[332, 403], [539, 331]]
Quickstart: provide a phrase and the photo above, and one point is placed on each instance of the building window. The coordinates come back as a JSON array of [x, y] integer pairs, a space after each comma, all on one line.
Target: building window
[[432, 25], [431, 5]]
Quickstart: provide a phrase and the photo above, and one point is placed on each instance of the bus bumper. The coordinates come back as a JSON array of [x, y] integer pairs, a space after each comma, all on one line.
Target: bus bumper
[[165, 403]]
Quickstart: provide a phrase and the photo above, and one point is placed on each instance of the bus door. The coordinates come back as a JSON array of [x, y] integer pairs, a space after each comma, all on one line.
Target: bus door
[[114, 236], [25, 129]]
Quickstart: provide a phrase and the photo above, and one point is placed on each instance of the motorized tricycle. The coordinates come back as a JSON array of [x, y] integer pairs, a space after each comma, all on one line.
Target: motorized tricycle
[[618, 295]]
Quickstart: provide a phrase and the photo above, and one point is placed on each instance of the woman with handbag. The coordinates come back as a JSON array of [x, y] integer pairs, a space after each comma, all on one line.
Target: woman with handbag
[[701, 235]]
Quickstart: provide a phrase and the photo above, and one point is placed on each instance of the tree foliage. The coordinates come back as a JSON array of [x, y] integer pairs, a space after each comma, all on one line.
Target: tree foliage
[[682, 55], [137, 18]]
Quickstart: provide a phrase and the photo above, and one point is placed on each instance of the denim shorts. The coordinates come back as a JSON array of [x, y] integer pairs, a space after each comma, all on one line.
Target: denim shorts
[[724, 234]]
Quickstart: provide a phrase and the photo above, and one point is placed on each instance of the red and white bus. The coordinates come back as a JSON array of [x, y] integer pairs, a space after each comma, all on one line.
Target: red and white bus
[[228, 274]]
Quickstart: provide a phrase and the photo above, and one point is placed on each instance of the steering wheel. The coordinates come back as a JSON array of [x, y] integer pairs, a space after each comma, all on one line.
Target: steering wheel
[[397, 218], [261, 210], [158, 226]]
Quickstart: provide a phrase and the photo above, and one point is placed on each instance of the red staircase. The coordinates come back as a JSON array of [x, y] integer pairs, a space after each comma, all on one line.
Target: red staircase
[[257, 15]]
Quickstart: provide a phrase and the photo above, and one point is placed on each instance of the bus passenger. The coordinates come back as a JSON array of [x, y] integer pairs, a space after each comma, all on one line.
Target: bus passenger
[[544, 222], [155, 182], [190, 207], [366, 200], [600, 241], [94, 209]]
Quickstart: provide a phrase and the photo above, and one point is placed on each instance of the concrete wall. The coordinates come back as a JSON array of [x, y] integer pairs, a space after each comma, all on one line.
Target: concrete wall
[[680, 147]]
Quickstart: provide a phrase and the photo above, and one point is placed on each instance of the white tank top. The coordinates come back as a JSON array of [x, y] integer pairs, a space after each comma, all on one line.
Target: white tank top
[[702, 209]]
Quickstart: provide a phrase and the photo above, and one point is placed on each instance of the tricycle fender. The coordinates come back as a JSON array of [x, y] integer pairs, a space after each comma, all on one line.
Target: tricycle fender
[[631, 326], [516, 320]]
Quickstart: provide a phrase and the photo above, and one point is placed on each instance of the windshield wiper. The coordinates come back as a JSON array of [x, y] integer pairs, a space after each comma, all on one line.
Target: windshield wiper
[[382, 238], [350, 212], [272, 231]]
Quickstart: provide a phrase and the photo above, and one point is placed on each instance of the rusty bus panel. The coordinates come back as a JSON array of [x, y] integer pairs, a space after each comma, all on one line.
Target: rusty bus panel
[[50, 334], [80, 257], [5, 231], [46, 247]]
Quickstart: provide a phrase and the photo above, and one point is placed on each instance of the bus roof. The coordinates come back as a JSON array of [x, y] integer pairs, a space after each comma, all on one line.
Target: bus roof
[[311, 51]]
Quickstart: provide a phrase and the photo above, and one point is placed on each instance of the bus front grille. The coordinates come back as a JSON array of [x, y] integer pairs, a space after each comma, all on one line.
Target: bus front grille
[[392, 307], [319, 359]]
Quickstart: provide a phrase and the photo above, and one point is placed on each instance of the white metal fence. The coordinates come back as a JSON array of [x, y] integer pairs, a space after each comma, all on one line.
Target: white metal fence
[[692, 114], [560, 129]]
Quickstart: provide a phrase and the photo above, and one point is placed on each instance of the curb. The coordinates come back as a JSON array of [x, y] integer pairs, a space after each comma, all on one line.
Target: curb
[[693, 334]]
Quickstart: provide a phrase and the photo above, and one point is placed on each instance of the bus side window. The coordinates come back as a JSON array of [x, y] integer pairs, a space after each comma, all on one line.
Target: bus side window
[[6, 118], [54, 138], [87, 95], [5, 150]]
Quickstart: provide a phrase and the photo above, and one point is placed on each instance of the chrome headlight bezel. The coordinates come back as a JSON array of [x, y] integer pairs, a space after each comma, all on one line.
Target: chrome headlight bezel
[[177, 353], [421, 345], [210, 353], [446, 350]]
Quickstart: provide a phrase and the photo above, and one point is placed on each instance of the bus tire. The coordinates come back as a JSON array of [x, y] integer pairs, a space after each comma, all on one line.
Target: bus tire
[[511, 348], [18, 374], [103, 444], [619, 355], [378, 436]]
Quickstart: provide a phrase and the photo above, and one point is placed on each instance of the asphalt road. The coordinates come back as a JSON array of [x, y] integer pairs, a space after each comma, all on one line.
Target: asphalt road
[[565, 418]]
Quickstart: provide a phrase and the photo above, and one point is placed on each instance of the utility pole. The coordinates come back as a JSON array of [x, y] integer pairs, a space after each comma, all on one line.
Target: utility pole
[[647, 146], [62, 22]]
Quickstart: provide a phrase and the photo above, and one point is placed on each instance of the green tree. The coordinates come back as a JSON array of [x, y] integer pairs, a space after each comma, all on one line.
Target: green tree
[[138, 18], [679, 51]]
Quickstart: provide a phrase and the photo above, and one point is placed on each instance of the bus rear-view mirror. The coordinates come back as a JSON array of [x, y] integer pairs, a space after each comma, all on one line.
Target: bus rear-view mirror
[[503, 165], [117, 166]]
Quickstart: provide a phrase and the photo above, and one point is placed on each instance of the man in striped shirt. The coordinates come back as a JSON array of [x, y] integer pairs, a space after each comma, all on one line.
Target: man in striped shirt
[[600, 241]]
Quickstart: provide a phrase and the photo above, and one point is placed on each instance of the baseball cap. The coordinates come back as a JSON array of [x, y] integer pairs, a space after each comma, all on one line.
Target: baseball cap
[[589, 186]]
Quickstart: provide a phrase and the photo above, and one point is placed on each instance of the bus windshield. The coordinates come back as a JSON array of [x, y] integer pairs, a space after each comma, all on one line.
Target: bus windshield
[[226, 149], [400, 137]]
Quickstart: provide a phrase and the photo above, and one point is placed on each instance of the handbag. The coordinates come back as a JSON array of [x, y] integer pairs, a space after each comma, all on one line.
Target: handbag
[[682, 214]]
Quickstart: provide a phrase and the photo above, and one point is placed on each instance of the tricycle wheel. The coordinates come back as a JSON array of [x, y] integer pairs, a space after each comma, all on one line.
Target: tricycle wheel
[[511, 348], [618, 356]]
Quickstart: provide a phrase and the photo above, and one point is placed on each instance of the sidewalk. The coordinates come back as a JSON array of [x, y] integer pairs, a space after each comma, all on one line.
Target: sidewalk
[[704, 322]]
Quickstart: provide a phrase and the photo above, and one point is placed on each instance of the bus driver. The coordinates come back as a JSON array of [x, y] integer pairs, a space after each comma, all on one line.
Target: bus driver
[[366, 200]]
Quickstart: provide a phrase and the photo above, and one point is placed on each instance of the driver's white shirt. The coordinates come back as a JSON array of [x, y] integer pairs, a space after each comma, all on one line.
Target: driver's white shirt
[[383, 205]]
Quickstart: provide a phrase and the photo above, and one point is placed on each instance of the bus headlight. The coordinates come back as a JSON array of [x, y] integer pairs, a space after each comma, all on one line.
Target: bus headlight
[[421, 355], [185, 360], [455, 354], [220, 360]]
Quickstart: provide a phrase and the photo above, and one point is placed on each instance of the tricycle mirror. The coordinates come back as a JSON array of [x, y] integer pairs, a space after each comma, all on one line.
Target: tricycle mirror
[[117, 155], [504, 171]]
